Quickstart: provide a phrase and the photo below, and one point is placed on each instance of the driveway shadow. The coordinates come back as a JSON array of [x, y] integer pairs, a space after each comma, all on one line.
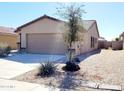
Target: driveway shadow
[[86, 55], [82, 56], [32, 58], [39, 58]]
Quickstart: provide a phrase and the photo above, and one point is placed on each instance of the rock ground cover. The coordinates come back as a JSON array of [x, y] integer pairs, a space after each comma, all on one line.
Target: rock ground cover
[[105, 67]]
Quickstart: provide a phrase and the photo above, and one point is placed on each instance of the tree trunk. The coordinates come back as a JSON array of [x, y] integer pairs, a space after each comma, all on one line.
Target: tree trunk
[[70, 52]]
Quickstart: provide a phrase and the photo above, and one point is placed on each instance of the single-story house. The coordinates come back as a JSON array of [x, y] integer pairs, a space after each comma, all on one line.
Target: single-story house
[[8, 36], [45, 35]]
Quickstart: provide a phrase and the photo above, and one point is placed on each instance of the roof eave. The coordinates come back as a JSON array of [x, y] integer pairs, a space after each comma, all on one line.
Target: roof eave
[[96, 27], [35, 20]]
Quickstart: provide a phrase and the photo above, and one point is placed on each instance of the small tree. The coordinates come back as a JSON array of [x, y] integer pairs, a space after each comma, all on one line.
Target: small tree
[[74, 29], [116, 39]]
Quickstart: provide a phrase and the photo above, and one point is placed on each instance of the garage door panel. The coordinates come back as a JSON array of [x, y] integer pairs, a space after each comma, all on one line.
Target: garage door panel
[[45, 43]]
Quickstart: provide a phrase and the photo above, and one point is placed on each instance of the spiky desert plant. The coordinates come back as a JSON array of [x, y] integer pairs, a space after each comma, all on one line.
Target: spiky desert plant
[[47, 69]]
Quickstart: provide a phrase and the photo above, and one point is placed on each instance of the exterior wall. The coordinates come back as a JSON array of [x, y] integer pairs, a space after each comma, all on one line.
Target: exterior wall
[[101, 44], [41, 26], [107, 44], [123, 44], [80, 46], [86, 47], [104, 44], [121, 38], [11, 40], [117, 45], [49, 26]]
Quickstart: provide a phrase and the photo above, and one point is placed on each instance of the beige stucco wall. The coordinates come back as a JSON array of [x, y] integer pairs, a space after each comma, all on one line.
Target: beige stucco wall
[[86, 47], [107, 44], [123, 44], [49, 26], [117, 45], [42, 26], [11, 40]]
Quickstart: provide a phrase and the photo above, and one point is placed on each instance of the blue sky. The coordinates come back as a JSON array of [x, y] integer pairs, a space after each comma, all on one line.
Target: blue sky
[[109, 16]]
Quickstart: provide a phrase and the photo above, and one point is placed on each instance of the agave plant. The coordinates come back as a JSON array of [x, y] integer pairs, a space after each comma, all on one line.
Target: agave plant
[[47, 69]]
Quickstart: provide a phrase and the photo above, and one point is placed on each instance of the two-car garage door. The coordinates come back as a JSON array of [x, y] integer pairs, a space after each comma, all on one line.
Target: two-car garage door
[[45, 43]]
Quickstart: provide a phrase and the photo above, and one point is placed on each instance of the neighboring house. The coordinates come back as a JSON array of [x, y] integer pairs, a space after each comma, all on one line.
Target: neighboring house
[[45, 35], [8, 36]]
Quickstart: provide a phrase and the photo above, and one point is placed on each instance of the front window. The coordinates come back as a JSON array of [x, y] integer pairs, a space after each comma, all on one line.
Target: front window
[[93, 41]]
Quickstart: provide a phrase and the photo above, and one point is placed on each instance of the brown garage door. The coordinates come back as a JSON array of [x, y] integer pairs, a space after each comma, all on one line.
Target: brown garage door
[[45, 43]]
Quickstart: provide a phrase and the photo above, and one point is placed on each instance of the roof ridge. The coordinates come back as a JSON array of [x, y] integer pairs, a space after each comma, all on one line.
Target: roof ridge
[[41, 17]]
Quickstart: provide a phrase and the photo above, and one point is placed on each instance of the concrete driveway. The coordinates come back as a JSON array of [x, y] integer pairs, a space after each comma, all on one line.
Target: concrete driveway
[[33, 58], [16, 64], [10, 69]]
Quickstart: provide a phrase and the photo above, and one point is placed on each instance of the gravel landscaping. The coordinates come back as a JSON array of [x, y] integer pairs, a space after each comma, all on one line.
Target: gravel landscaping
[[105, 67], [62, 80]]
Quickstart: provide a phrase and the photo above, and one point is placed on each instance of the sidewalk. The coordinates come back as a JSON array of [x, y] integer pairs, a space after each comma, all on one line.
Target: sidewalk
[[10, 69], [13, 85]]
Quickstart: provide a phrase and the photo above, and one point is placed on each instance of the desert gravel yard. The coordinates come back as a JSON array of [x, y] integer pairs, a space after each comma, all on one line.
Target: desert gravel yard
[[106, 67]]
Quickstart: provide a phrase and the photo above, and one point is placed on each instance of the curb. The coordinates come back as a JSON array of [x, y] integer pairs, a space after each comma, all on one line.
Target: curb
[[94, 85]]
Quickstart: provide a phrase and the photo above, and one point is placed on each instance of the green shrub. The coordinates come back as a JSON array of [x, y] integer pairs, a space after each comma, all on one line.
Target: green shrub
[[4, 49], [47, 69]]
